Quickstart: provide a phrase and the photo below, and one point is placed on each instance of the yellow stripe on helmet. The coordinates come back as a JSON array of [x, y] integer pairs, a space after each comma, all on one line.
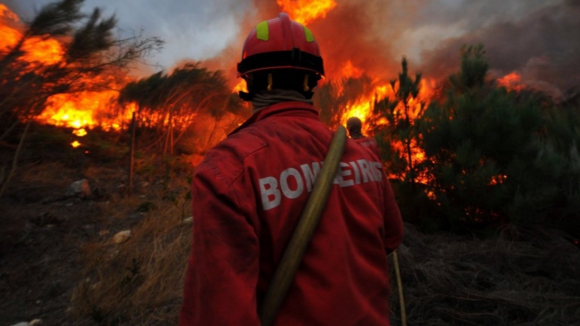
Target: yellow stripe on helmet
[[309, 36], [262, 31]]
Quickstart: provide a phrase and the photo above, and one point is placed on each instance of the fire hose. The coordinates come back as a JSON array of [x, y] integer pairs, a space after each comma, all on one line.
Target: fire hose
[[284, 275]]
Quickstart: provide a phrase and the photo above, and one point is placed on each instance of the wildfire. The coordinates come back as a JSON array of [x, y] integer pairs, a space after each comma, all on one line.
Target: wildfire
[[84, 110], [46, 51], [81, 110], [363, 107], [305, 11], [511, 81]]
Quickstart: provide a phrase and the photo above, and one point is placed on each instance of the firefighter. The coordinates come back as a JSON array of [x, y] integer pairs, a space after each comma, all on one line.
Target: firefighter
[[354, 127], [250, 190]]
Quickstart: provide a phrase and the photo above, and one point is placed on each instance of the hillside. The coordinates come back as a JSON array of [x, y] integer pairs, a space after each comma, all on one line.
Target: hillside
[[60, 263]]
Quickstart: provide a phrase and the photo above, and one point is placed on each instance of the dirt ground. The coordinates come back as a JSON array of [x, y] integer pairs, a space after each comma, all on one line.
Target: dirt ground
[[41, 238]]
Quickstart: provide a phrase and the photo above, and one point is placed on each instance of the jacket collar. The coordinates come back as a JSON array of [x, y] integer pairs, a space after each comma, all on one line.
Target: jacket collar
[[293, 108]]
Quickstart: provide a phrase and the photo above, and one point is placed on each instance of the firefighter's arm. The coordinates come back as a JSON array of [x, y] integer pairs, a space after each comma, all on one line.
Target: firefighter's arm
[[222, 275], [393, 220]]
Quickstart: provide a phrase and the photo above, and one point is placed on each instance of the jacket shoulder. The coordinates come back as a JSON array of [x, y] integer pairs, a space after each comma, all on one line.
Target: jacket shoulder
[[227, 158]]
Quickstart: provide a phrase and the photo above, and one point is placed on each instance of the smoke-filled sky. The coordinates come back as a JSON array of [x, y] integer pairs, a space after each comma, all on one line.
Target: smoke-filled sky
[[540, 39]]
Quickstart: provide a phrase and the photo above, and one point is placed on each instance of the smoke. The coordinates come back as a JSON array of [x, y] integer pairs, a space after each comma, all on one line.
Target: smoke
[[542, 46], [536, 38]]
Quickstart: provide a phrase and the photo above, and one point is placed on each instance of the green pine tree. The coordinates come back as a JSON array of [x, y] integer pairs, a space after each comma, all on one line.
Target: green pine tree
[[399, 136], [480, 141]]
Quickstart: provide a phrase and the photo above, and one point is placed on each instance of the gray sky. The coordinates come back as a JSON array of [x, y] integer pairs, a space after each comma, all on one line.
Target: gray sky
[[193, 29], [532, 37]]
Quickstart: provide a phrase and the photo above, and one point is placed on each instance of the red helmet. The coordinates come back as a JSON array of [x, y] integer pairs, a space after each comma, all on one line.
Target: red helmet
[[280, 43]]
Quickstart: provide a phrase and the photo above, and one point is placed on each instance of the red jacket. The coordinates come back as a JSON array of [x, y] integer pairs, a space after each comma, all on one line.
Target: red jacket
[[369, 142], [248, 194]]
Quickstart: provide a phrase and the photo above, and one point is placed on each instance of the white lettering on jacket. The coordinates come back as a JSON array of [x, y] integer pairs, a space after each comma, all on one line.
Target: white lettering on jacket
[[292, 183]]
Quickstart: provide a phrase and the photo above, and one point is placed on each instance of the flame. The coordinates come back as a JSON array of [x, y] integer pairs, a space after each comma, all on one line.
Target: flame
[[511, 81], [7, 13], [47, 51], [37, 49], [80, 132], [305, 11], [241, 86], [8, 36], [350, 70], [363, 109], [498, 179], [84, 110], [75, 144]]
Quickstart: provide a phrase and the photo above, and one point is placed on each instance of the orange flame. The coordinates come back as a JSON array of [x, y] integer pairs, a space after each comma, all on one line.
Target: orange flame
[[85, 110], [81, 110], [47, 51], [350, 70], [80, 132], [511, 81], [8, 14], [37, 49], [305, 11], [241, 86]]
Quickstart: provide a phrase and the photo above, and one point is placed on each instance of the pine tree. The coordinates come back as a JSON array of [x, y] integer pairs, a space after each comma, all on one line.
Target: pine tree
[[480, 142], [399, 137]]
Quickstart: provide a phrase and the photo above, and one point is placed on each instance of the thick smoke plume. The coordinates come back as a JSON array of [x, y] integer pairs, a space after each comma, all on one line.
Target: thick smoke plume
[[537, 39], [543, 47]]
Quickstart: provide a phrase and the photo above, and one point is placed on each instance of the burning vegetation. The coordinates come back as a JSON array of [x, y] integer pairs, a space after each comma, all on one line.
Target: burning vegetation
[[465, 153], [83, 85]]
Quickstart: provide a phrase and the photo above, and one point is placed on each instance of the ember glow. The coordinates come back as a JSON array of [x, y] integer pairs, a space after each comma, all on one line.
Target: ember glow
[[499, 179], [305, 11]]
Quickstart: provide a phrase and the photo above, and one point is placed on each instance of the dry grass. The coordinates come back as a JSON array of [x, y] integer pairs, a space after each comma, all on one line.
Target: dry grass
[[44, 173], [139, 281], [519, 278]]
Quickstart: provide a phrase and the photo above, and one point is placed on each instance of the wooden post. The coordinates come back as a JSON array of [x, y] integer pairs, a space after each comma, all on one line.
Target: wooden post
[[132, 153]]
